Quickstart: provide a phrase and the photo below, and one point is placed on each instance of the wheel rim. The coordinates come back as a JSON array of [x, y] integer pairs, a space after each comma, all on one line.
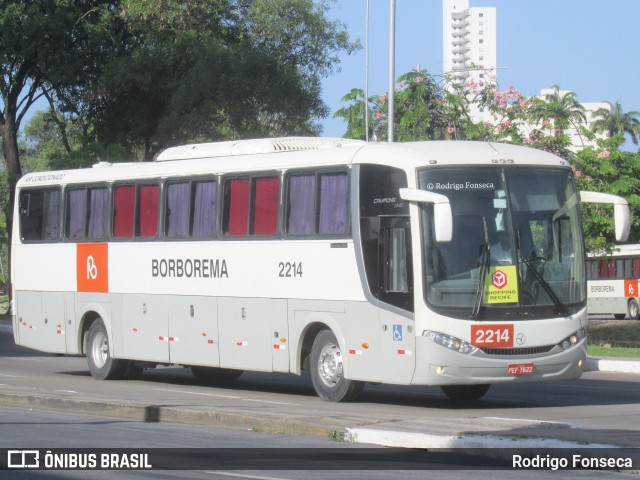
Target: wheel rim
[[330, 365], [633, 310], [100, 349]]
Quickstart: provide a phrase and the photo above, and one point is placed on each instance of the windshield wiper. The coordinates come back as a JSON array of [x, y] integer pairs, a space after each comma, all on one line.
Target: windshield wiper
[[483, 262], [561, 309]]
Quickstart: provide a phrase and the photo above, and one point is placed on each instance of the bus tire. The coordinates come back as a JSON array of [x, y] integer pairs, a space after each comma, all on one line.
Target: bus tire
[[215, 375], [634, 309], [101, 365], [465, 393], [327, 370]]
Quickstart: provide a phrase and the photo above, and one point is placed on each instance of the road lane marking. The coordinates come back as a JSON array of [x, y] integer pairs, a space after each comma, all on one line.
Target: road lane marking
[[244, 475]]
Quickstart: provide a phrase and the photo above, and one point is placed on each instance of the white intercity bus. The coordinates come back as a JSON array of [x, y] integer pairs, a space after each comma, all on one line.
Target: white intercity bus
[[457, 264], [612, 283]]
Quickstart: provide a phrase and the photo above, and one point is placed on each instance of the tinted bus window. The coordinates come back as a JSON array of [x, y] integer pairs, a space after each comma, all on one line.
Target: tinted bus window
[[86, 213], [204, 208], [123, 211], [318, 204], [40, 214], [148, 210], [251, 206]]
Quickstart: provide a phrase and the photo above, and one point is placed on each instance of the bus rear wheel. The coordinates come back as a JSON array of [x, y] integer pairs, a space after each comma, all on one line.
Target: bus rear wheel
[[634, 309], [327, 373], [101, 365], [465, 393]]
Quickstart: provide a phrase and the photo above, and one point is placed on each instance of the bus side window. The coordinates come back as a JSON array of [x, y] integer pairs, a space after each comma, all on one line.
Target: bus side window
[[264, 206], [40, 215], [98, 206], [251, 206], [123, 211], [236, 206], [334, 204], [301, 204], [177, 210], [204, 208]]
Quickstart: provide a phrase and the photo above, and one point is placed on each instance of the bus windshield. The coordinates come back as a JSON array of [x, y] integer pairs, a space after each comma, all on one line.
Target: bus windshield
[[516, 250]]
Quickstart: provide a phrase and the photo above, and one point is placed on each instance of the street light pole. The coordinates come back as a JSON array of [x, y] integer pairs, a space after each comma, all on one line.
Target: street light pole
[[392, 67], [366, 74]]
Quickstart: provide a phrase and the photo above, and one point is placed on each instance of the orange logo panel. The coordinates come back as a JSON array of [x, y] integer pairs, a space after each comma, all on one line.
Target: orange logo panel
[[92, 267], [631, 288]]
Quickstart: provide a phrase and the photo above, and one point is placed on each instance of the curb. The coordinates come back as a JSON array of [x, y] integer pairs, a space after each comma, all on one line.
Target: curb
[[494, 446], [612, 365], [166, 414], [485, 445]]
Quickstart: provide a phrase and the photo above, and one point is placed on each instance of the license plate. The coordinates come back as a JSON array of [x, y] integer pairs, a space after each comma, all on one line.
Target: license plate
[[521, 369]]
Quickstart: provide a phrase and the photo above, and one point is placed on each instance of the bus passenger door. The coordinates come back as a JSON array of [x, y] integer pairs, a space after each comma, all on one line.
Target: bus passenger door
[[395, 292]]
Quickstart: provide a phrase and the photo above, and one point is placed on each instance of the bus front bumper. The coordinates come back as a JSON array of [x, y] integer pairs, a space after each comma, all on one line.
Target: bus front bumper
[[438, 365]]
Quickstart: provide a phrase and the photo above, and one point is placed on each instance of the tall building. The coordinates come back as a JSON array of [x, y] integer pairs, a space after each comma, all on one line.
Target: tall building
[[469, 41]]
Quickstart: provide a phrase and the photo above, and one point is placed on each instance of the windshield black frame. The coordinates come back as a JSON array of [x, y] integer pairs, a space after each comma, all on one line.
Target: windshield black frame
[[520, 223]]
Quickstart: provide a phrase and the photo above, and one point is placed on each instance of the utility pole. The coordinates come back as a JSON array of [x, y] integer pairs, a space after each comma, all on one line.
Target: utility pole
[[392, 67]]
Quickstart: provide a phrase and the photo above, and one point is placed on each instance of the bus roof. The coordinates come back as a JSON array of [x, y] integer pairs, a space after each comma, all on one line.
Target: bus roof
[[298, 152]]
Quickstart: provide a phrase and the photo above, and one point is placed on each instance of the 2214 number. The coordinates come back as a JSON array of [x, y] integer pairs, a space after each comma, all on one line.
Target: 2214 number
[[492, 336], [290, 269]]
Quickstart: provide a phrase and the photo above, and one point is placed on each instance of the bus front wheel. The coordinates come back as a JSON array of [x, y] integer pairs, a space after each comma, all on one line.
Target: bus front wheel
[[101, 365], [465, 393], [634, 309], [327, 370]]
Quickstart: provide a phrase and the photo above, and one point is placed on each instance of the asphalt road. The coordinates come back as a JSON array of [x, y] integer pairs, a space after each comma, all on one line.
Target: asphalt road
[[599, 409]]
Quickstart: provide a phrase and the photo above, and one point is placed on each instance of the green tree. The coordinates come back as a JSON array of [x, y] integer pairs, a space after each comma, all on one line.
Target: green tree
[[354, 115], [611, 170], [217, 69], [563, 110], [615, 121], [45, 46]]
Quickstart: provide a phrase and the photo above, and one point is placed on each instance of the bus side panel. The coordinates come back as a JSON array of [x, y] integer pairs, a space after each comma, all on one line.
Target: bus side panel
[[145, 327], [193, 327], [70, 325], [248, 328], [376, 345], [41, 328], [607, 306]]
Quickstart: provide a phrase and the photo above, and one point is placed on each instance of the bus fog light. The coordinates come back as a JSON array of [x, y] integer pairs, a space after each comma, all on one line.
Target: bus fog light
[[580, 363], [440, 370]]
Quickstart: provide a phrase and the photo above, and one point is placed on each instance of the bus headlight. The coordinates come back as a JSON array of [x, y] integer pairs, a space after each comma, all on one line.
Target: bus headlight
[[450, 342], [573, 339]]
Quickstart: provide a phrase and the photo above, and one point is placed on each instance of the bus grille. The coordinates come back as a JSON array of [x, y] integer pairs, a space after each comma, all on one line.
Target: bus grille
[[519, 351]]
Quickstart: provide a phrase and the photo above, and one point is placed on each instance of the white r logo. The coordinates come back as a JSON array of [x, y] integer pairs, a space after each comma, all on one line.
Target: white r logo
[[92, 268]]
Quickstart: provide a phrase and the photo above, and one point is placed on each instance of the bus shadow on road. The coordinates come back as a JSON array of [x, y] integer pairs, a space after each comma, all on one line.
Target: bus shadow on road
[[567, 393]]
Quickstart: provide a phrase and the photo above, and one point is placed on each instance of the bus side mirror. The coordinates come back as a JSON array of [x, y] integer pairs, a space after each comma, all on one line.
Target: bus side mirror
[[442, 217], [621, 213]]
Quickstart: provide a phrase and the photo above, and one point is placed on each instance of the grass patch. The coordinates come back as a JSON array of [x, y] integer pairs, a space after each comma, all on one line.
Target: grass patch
[[4, 304], [608, 351], [614, 338]]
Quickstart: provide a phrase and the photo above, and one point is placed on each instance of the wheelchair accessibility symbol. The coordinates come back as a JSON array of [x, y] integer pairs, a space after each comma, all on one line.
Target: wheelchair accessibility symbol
[[397, 333]]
